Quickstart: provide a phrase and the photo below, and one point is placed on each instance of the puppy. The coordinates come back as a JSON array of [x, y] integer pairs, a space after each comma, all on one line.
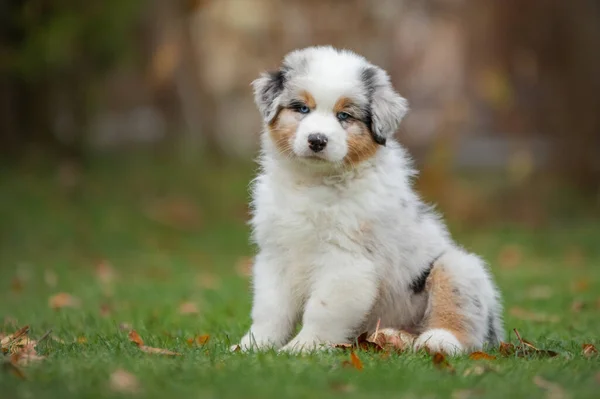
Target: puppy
[[344, 242]]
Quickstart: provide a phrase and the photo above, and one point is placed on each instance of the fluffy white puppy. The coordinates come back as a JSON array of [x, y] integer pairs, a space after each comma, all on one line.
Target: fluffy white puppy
[[343, 239]]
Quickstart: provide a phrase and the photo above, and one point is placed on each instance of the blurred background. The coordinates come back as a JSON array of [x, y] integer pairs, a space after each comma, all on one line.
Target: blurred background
[[117, 114]]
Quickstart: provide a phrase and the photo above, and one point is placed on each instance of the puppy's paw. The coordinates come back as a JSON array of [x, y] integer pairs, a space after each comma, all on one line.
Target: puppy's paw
[[439, 340], [301, 344], [252, 342]]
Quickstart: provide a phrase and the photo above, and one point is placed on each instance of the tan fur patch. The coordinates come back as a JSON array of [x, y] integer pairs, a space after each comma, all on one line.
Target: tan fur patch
[[361, 145], [445, 302], [342, 104], [282, 129], [308, 99]]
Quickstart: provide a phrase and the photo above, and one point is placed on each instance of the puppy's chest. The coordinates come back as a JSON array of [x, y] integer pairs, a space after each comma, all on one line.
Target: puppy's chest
[[308, 222]]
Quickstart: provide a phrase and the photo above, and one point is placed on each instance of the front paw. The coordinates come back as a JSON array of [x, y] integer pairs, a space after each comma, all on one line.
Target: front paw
[[305, 345], [439, 340], [250, 342]]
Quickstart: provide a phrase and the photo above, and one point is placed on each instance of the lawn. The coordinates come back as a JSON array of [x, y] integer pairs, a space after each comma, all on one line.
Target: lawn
[[159, 246]]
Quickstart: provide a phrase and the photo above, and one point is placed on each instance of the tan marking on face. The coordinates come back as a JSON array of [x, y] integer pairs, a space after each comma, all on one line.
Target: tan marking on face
[[445, 303], [361, 145], [342, 104], [282, 129], [308, 99]]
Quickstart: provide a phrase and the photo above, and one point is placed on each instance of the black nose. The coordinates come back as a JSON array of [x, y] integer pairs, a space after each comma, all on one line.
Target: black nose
[[317, 141]]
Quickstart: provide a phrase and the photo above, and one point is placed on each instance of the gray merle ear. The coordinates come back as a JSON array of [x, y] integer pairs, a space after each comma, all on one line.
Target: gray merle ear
[[387, 107], [267, 89]]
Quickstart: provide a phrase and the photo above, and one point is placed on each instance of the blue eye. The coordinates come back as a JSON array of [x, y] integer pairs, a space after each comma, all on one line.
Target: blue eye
[[304, 109], [342, 116]]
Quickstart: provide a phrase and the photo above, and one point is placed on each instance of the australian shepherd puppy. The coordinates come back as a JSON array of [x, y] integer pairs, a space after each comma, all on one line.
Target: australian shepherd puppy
[[344, 241]]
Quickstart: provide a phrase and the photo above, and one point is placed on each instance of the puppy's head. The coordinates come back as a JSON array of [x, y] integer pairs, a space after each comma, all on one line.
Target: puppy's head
[[328, 107]]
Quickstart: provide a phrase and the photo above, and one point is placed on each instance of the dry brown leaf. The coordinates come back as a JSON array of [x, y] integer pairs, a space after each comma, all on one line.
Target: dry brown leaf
[[481, 356], [479, 369], [125, 326], [392, 339], [199, 339], [342, 387], [63, 300], [354, 361], [13, 369], [553, 390], [123, 381], [440, 362], [577, 306], [188, 308], [589, 350], [136, 339], [467, 393], [21, 347], [81, 340], [528, 315], [208, 281], [177, 212], [540, 292], [506, 349], [580, 285], [244, 266], [16, 285], [527, 348], [105, 272], [105, 310], [50, 278], [510, 256]]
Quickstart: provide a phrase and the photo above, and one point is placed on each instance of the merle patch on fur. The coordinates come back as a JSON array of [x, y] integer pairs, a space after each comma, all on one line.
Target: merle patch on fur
[[368, 78], [491, 336]]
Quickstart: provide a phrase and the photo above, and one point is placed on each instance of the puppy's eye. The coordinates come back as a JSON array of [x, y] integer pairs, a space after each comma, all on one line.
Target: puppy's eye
[[303, 109], [342, 116]]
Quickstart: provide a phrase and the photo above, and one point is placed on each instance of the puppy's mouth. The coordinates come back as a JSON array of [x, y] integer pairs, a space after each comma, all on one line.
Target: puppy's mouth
[[313, 159]]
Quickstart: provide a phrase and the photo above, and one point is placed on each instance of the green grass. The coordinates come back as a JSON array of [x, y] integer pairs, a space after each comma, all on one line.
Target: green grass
[[45, 226]]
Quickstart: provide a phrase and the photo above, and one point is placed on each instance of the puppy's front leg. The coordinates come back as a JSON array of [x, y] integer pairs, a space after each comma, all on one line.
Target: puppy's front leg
[[344, 292], [275, 308]]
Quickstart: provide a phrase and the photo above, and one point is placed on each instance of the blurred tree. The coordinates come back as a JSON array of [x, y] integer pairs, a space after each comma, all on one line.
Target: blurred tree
[[52, 57]]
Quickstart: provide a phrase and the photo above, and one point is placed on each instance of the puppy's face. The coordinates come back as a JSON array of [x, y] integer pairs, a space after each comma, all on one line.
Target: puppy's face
[[328, 108]]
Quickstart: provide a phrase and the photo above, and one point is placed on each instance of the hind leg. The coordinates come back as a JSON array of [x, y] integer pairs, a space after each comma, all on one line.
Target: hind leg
[[463, 308]]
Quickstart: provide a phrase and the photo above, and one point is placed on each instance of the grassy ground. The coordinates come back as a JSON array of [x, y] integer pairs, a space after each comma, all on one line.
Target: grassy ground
[[175, 234]]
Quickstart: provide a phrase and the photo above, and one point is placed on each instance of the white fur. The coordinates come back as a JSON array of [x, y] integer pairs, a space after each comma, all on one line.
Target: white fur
[[339, 246]]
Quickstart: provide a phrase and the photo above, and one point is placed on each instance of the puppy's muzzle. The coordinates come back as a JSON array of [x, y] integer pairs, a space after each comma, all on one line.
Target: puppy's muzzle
[[317, 142]]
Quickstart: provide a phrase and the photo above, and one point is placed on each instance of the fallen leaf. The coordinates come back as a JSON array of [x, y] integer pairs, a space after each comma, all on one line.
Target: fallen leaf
[[577, 306], [208, 281], [188, 308], [177, 212], [479, 369], [81, 340], [527, 348], [342, 387], [105, 310], [553, 390], [506, 349], [510, 256], [11, 368], [528, 315], [540, 292], [467, 393], [123, 381], [136, 339], [580, 285], [50, 278], [354, 362], [21, 347], [200, 340], [244, 266], [481, 356], [440, 362], [125, 326], [589, 350], [16, 285], [105, 272], [63, 300], [392, 339]]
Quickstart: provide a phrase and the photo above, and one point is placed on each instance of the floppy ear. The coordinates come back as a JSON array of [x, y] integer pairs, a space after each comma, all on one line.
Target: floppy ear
[[267, 89], [387, 107]]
